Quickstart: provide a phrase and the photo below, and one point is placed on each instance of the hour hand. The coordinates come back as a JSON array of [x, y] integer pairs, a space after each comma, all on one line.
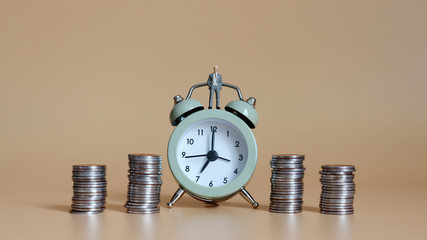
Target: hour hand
[[204, 166]]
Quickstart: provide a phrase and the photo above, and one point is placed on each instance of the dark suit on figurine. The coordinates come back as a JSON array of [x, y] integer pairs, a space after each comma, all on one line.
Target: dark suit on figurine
[[215, 85]]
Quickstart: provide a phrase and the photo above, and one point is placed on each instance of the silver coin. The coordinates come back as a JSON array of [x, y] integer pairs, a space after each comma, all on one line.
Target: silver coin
[[145, 172], [285, 202], [84, 206], [288, 156], [85, 212], [283, 182], [143, 194], [79, 195], [291, 207], [144, 185], [285, 209], [85, 198], [88, 203], [157, 177], [338, 188], [88, 211], [289, 170], [88, 173], [90, 183], [288, 174], [143, 202], [144, 156], [279, 191], [88, 197], [336, 205], [146, 161], [287, 190], [89, 177], [337, 196], [286, 196], [340, 167], [135, 206], [337, 213], [143, 182], [143, 190], [148, 211], [77, 210], [335, 185], [336, 208], [90, 190], [283, 205], [335, 182], [89, 166], [338, 176], [287, 166], [140, 167]]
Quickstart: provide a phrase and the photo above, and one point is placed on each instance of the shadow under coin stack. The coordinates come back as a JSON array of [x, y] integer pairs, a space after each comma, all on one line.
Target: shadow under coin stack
[[90, 189], [338, 189], [287, 183], [145, 180]]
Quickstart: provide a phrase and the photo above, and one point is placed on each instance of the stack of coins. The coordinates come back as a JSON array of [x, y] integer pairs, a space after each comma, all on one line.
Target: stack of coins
[[287, 183], [90, 188], [338, 189], [145, 180]]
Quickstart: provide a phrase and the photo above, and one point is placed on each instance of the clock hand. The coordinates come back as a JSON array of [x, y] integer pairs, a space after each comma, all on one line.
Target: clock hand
[[213, 140], [212, 155], [225, 159], [194, 156], [204, 166]]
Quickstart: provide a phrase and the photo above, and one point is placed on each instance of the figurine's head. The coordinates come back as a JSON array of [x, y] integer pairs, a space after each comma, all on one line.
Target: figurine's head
[[215, 69]]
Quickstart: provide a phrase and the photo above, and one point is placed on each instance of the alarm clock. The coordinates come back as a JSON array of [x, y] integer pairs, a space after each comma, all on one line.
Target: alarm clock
[[212, 153]]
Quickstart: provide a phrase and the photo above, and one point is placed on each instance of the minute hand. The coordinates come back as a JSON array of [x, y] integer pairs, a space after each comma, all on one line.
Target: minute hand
[[213, 140], [194, 156]]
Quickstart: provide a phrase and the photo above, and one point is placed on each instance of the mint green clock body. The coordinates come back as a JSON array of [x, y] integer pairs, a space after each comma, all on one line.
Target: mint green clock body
[[212, 153]]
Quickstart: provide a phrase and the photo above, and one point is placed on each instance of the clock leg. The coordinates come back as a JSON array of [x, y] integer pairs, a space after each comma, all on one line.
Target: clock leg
[[178, 194], [245, 194]]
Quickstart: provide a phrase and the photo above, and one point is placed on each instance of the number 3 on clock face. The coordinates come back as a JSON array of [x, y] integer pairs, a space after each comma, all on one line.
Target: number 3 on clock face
[[212, 152]]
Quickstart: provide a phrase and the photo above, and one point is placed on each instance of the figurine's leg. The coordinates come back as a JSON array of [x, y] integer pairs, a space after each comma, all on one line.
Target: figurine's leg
[[178, 194], [248, 197], [210, 97], [217, 97]]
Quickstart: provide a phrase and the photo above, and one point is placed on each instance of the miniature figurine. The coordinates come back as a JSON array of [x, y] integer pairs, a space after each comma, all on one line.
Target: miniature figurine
[[215, 85]]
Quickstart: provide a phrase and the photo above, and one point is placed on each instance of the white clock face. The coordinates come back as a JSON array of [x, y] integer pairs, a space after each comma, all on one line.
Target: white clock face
[[212, 152]]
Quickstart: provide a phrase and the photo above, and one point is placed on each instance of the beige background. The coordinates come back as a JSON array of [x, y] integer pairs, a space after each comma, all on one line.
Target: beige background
[[91, 81]]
